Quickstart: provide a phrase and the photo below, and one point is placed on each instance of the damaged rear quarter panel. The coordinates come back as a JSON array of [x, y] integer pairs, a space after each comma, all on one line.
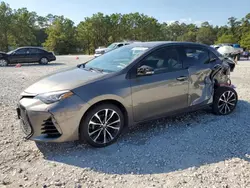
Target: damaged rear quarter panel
[[200, 85], [202, 81]]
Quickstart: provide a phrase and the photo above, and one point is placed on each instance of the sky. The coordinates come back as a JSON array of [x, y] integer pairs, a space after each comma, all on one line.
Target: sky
[[189, 11]]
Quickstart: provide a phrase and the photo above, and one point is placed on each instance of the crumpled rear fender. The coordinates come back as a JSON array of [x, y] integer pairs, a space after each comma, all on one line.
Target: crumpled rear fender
[[203, 81]]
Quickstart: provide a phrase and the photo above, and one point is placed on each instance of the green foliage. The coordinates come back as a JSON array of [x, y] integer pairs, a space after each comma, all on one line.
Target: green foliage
[[190, 36], [61, 36], [5, 25], [226, 38], [245, 40], [206, 34], [22, 28]]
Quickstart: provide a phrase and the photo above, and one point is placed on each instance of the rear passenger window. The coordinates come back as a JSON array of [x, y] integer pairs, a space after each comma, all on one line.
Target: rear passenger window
[[33, 51], [163, 60], [194, 56]]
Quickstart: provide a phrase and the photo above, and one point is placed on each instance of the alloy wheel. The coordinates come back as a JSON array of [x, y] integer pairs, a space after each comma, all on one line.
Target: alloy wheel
[[44, 60], [227, 102], [104, 126], [3, 63]]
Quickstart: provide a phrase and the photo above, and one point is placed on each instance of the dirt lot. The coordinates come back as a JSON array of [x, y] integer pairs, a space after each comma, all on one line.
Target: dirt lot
[[193, 150]]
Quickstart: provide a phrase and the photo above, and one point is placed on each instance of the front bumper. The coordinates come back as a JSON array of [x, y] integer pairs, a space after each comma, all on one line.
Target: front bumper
[[57, 122]]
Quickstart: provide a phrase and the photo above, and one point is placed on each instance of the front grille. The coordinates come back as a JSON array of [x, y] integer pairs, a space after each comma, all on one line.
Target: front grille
[[49, 129], [25, 124]]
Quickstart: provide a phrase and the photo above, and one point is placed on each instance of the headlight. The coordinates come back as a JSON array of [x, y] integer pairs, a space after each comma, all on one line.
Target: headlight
[[52, 97]]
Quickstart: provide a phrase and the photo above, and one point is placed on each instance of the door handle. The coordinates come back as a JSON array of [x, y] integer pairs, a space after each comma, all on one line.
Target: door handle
[[182, 78]]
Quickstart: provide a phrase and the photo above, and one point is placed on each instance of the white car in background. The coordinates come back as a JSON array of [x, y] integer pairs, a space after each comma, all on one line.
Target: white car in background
[[229, 49], [101, 50]]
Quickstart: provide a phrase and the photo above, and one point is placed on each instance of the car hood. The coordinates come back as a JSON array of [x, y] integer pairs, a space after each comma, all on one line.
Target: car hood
[[64, 80], [2, 53]]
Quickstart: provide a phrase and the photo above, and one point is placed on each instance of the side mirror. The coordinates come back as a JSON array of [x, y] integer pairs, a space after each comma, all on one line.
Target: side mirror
[[145, 70], [13, 53]]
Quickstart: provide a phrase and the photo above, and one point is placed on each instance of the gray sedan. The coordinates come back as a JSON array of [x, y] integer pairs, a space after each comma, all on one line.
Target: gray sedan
[[95, 101]]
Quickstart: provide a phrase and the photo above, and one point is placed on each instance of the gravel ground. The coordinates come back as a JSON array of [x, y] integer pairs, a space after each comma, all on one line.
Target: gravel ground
[[192, 150]]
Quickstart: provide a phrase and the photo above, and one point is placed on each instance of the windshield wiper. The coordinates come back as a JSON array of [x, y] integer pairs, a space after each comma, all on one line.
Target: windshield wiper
[[96, 69], [90, 68]]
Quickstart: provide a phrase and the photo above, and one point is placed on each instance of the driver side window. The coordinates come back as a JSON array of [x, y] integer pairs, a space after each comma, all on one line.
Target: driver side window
[[21, 52], [163, 60]]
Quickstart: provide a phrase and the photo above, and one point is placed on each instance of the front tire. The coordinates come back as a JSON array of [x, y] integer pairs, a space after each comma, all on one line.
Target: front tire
[[225, 101], [3, 63], [102, 125], [43, 61]]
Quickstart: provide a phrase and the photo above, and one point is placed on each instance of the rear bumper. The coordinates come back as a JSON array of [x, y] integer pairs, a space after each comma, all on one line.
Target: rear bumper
[[52, 58]]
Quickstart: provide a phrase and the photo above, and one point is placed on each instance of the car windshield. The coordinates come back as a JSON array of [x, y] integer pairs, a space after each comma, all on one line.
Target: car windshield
[[117, 59]]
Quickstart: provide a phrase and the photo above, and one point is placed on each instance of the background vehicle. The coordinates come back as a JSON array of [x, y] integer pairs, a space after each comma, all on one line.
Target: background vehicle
[[26, 55], [94, 101], [101, 51], [246, 54], [237, 50]]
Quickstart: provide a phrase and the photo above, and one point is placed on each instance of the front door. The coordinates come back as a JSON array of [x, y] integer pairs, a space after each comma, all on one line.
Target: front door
[[19, 56], [162, 92]]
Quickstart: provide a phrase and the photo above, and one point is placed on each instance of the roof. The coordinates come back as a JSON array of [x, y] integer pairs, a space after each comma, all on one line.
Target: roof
[[159, 43], [37, 47]]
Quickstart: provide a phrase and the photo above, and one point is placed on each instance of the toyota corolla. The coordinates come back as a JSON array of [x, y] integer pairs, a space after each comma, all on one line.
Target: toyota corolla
[[95, 101]]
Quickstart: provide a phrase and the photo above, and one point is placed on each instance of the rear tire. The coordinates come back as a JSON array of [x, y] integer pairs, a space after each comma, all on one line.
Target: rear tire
[[102, 125], [43, 61], [225, 101]]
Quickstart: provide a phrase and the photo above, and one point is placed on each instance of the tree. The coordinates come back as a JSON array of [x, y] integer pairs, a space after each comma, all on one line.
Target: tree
[[190, 36], [5, 25], [226, 38], [84, 36], [23, 28], [205, 34], [234, 27], [61, 36], [245, 40]]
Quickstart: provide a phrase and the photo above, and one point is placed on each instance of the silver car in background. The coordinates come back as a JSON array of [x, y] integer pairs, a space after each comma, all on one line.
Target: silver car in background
[[95, 101], [100, 51]]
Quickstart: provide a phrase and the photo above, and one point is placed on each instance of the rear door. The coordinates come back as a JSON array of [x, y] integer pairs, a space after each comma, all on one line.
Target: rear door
[[162, 92], [34, 55], [197, 60]]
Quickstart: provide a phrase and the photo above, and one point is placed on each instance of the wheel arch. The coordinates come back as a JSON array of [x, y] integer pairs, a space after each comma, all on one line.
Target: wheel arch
[[6, 59], [107, 101]]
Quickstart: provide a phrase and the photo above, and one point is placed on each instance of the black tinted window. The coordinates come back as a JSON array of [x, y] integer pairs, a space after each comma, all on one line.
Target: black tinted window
[[35, 51], [22, 51], [165, 59], [119, 45], [194, 56]]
